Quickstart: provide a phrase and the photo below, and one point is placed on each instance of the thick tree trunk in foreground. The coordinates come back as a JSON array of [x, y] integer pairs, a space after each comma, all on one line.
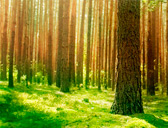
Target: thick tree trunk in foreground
[[128, 90]]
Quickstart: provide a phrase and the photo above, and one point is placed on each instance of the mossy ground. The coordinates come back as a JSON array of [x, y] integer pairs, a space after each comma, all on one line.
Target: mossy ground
[[47, 107]]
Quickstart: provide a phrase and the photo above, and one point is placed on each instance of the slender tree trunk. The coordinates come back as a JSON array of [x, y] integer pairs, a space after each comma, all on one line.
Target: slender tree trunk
[[40, 43], [114, 48], [110, 42], [72, 44], [88, 44], [20, 35], [167, 47], [65, 85], [128, 90], [106, 41], [150, 54], [99, 47], [50, 41], [81, 48], [143, 42], [11, 49], [31, 39], [60, 39], [4, 44]]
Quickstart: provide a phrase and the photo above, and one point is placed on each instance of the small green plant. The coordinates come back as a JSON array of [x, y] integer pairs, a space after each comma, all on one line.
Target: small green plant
[[86, 100]]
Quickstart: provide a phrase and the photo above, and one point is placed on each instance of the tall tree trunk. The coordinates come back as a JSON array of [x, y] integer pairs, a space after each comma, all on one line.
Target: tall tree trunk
[[20, 35], [40, 43], [106, 42], [72, 44], [150, 54], [65, 85], [11, 49], [167, 47], [4, 44], [114, 48], [88, 43], [81, 48], [110, 42], [128, 90], [143, 41], [60, 39], [31, 39], [50, 41], [99, 47], [26, 43]]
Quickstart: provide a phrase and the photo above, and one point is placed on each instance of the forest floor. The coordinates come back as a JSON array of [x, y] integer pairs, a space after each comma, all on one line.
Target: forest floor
[[47, 107]]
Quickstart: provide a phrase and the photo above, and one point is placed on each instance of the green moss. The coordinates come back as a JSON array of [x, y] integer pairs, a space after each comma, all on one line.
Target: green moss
[[43, 106]]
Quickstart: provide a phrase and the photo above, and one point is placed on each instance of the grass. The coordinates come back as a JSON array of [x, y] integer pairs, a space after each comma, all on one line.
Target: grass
[[47, 107]]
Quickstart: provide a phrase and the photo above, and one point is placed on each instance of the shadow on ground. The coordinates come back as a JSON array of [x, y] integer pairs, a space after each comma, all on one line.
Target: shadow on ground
[[16, 115]]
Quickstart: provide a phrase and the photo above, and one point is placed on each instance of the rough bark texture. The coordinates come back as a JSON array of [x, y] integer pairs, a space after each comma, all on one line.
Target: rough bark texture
[[65, 86], [128, 89]]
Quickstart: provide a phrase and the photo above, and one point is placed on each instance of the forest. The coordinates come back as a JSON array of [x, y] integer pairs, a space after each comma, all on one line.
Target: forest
[[84, 63]]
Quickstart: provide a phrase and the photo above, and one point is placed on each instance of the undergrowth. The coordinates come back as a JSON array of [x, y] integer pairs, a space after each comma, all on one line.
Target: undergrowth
[[47, 107]]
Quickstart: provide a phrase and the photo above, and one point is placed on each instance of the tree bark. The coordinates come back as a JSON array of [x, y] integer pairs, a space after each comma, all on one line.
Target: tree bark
[[72, 44], [88, 44], [150, 54], [65, 85], [11, 49], [128, 89], [60, 39], [81, 48], [4, 44], [110, 42], [167, 47], [50, 41]]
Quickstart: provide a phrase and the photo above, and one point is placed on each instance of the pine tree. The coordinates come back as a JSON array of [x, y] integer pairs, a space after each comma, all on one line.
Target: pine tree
[[72, 44], [88, 43], [4, 44], [128, 89], [11, 48], [50, 41], [81, 48], [65, 85]]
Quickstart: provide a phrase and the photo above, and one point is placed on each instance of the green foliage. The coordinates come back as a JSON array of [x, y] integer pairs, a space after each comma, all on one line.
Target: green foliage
[[152, 4], [47, 107], [86, 100]]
